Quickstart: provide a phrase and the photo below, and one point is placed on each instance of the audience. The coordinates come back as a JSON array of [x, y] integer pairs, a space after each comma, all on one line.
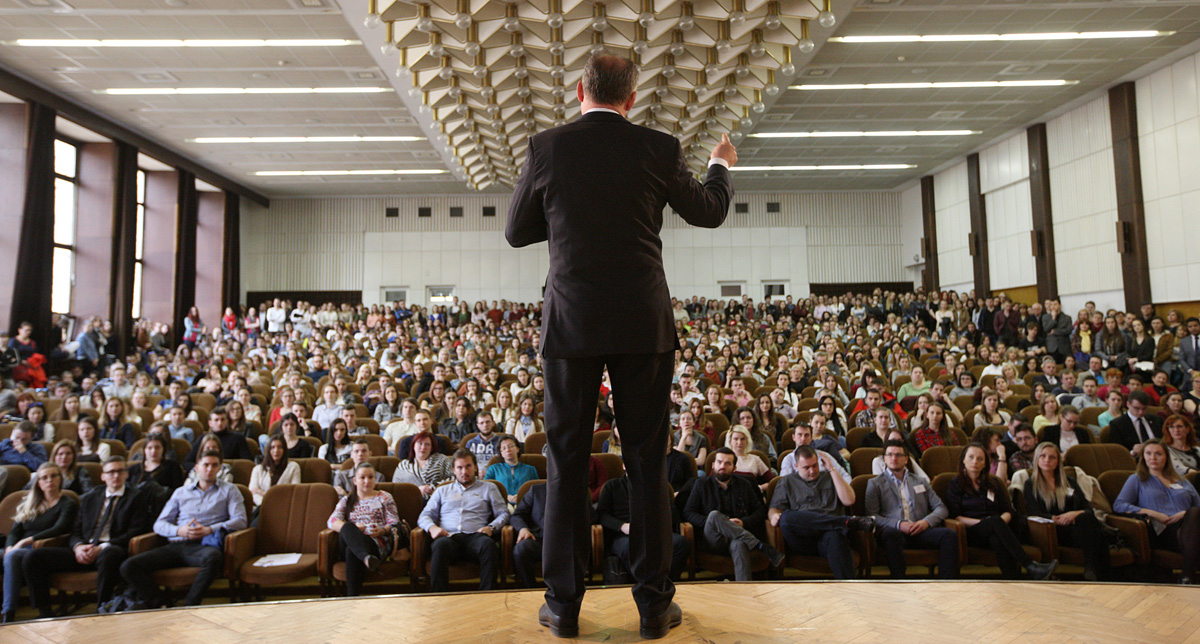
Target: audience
[[463, 519], [368, 526], [909, 514], [45, 512]]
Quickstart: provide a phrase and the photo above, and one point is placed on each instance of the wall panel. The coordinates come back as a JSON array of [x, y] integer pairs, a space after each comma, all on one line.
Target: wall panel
[[1083, 198], [1004, 181], [953, 225], [1169, 141]]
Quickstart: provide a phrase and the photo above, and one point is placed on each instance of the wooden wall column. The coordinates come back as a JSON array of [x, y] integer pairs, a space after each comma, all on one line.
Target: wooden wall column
[[977, 240], [930, 279], [124, 244], [158, 257], [12, 186], [1131, 210], [33, 279], [187, 219], [231, 280], [1042, 234]]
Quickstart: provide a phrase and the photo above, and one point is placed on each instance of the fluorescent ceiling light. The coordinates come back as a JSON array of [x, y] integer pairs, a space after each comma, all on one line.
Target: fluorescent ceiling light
[[830, 135], [305, 139], [335, 173], [942, 85], [64, 42], [1075, 35], [801, 168], [135, 91]]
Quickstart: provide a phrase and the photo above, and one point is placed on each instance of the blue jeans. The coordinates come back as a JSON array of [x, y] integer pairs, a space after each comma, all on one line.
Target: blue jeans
[[14, 576]]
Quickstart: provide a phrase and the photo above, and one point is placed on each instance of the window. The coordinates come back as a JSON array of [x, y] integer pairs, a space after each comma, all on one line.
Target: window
[[774, 289], [732, 289], [424, 211], [440, 294], [66, 196], [139, 245], [395, 294], [489, 211], [456, 211]]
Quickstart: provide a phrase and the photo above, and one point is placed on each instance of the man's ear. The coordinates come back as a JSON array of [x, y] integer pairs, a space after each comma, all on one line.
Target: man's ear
[[579, 90], [628, 102]]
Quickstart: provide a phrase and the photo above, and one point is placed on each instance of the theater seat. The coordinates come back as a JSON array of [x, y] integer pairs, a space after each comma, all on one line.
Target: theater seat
[[1097, 458], [332, 569], [290, 521]]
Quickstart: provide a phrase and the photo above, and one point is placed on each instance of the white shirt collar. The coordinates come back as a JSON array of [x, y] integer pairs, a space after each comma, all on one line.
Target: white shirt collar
[[120, 492], [602, 109]]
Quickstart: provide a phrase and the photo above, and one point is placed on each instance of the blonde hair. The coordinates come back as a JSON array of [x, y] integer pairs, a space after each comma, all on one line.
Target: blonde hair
[[740, 429], [1056, 496], [34, 503]]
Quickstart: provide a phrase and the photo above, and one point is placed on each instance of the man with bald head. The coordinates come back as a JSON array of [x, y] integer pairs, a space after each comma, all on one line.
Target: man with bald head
[[595, 189]]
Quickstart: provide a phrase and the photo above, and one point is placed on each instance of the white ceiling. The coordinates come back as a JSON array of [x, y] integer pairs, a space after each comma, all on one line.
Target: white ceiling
[[171, 120]]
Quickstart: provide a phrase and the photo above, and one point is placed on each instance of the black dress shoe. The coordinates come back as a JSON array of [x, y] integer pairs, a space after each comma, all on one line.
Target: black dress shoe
[[661, 624], [861, 524], [559, 626], [372, 563]]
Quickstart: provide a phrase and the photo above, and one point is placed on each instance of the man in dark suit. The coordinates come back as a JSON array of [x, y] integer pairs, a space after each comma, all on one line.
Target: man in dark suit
[[1057, 327], [1135, 426], [596, 188], [109, 516], [527, 519], [1189, 347]]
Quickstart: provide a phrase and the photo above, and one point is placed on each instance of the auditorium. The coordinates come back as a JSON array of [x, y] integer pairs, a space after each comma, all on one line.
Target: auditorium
[[323, 312]]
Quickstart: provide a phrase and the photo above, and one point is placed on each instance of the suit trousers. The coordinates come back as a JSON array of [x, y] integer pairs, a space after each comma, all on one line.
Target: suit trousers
[[1183, 537], [138, 570], [944, 540], [44, 563], [722, 536], [641, 395], [355, 547], [806, 532], [472, 546], [527, 555]]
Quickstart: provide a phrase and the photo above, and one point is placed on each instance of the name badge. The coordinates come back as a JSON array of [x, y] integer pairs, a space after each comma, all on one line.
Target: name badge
[[918, 489], [991, 495], [1071, 492], [1176, 486]]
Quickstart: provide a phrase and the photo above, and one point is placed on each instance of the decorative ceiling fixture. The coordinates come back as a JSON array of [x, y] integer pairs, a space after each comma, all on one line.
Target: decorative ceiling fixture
[[491, 73]]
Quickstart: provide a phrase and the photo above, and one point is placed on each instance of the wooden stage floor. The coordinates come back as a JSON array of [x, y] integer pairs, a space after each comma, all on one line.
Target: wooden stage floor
[[717, 613]]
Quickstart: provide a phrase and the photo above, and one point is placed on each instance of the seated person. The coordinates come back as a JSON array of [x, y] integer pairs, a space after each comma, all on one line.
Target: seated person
[[486, 443], [511, 473], [908, 514], [233, 445], [809, 507], [463, 519], [19, 448], [613, 514], [728, 515], [528, 519], [350, 416], [293, 443], [64, 454], [802, 435], [1131, 429], [336, 447], [275, 469], [1024, 441], [176, 427], [1067, 433], [109, 516], [44, 513], [748, 464], [424, 467], [1179, 437], [688, 439], [980, 502], [368, 526], [879, 463], [1051, 495], [1157, 491], [195, 521], [935, 431], [884, 424], [343, 478], [423, 422]]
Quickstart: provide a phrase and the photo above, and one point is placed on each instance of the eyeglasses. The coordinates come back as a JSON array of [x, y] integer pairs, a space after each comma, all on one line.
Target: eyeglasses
[[120, 471]]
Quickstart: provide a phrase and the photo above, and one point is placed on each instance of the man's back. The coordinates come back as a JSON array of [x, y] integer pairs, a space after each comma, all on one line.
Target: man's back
[[596, 188]]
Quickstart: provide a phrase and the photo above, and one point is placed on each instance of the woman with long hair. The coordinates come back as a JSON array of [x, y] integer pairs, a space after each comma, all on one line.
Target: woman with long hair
[[1051, 495], [703, 424], [368, 526], [1050, 413], [388, 409], [336, 448], [748, 464], [70, 410], [1157, 491], [760, 435], [275, 469], [289, 431], [525, 422], [65, 455], [505, 410], [45, 512], [687, 438], [837, 424], [113, 422], [936, 431], [775, 426], [990, 412], [155, 465], [35, 415], [981, 503], [423, 466], [91, 448]]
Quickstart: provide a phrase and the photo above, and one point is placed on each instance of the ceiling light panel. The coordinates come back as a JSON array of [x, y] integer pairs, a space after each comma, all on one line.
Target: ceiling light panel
[[1084, 35], [66, 43], [306, 139], [491, 73]]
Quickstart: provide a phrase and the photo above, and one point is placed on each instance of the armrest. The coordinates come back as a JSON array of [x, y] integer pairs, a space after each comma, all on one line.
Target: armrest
[[598, 546], [326, 553], [508, 540], [1045, 537], [864, 543], [419, 542], [61, 541], [1136, 533], [145, 543], [961, 530], [239, 548], [687, 530]]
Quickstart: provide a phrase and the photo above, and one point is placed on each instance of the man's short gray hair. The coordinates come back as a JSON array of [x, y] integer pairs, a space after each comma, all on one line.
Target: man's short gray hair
[[609, 79]]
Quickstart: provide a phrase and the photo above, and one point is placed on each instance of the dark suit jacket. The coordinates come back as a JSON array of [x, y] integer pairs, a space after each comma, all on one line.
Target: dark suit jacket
[[745, 498], [1053, 434], [1121, 429], [130, 518], [595, 189], [531, 511]]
